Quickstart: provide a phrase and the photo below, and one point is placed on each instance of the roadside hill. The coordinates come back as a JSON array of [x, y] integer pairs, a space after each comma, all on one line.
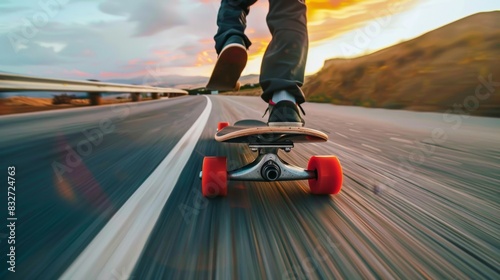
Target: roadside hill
[[429, 73]]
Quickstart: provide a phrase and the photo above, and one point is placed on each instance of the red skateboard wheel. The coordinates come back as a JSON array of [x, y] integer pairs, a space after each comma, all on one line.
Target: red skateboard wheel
[[221, 125], [329, 175], [214, 177]]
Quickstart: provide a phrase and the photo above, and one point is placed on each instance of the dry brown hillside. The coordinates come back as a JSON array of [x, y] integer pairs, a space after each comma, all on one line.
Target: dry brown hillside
[[430, 73]]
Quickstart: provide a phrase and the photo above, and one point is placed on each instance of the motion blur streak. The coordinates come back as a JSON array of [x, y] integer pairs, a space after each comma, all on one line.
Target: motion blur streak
[[121, 241], [411, 207]]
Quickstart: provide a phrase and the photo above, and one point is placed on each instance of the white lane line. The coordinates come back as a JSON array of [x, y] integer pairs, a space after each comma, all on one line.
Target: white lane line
[[342, 135], [447, 161], [371, 147], [401, 140], [117, 247], [354, 130]]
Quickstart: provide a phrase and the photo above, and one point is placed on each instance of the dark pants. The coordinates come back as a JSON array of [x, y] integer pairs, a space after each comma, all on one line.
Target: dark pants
[[284, 61]]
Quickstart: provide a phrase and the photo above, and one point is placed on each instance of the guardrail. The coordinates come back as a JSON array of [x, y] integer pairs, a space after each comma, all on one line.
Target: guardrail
[[14, 82]]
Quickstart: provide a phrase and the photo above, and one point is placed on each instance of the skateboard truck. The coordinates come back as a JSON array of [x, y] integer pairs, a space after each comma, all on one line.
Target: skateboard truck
[[268, 166]]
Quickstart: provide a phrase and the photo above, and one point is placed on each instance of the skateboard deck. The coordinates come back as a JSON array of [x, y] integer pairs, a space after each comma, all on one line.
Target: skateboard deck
[[257, 132], [228, 68]]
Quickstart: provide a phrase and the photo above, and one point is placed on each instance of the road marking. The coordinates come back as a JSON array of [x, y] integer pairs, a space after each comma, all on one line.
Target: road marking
[[392, 134], [119, 244], [401, 140], [447, 160], [342, 135], [373, 148], [354, 130]]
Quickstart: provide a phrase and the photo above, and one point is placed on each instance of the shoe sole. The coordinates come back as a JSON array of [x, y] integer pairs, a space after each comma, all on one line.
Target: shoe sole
[[228, 68]]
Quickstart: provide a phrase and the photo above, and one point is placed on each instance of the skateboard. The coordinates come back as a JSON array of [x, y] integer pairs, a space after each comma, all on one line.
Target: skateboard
[[228, 68], [324, 173]]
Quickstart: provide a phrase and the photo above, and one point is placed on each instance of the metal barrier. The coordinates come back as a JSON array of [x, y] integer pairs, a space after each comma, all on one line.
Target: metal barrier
[[14, 82]]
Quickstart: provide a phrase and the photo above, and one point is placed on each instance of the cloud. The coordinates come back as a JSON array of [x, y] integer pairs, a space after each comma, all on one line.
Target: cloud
[[330, 19], [327, 19], [151, 16], [77, 73], [33, 54], [63, 46], [128, 38], [14, 9], [105, 48]]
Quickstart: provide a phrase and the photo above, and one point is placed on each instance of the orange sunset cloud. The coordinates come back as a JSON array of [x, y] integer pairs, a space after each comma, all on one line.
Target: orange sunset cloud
[[328, 19]]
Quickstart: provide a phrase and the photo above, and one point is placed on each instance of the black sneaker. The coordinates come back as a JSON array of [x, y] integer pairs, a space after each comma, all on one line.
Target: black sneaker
[[285, 113], [230, 63]]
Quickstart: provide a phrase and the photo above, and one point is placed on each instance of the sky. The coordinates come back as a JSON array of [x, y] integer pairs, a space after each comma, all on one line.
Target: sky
[[120, 39]]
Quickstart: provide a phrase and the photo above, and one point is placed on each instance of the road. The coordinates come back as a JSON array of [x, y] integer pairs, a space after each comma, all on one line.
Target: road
[[113, 192]]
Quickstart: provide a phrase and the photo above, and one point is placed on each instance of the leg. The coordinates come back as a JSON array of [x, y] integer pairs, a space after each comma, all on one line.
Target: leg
[[231, 21], [231, 45], [283, 65]]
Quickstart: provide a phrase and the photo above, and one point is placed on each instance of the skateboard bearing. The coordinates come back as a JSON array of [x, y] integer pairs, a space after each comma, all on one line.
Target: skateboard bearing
[[271, 171]]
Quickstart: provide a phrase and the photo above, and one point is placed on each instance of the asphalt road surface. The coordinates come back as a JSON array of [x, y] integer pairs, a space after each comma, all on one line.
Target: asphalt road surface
[[113, 193]]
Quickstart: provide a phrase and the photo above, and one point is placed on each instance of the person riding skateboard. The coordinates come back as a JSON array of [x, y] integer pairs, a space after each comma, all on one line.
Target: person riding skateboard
[[283, 64]]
